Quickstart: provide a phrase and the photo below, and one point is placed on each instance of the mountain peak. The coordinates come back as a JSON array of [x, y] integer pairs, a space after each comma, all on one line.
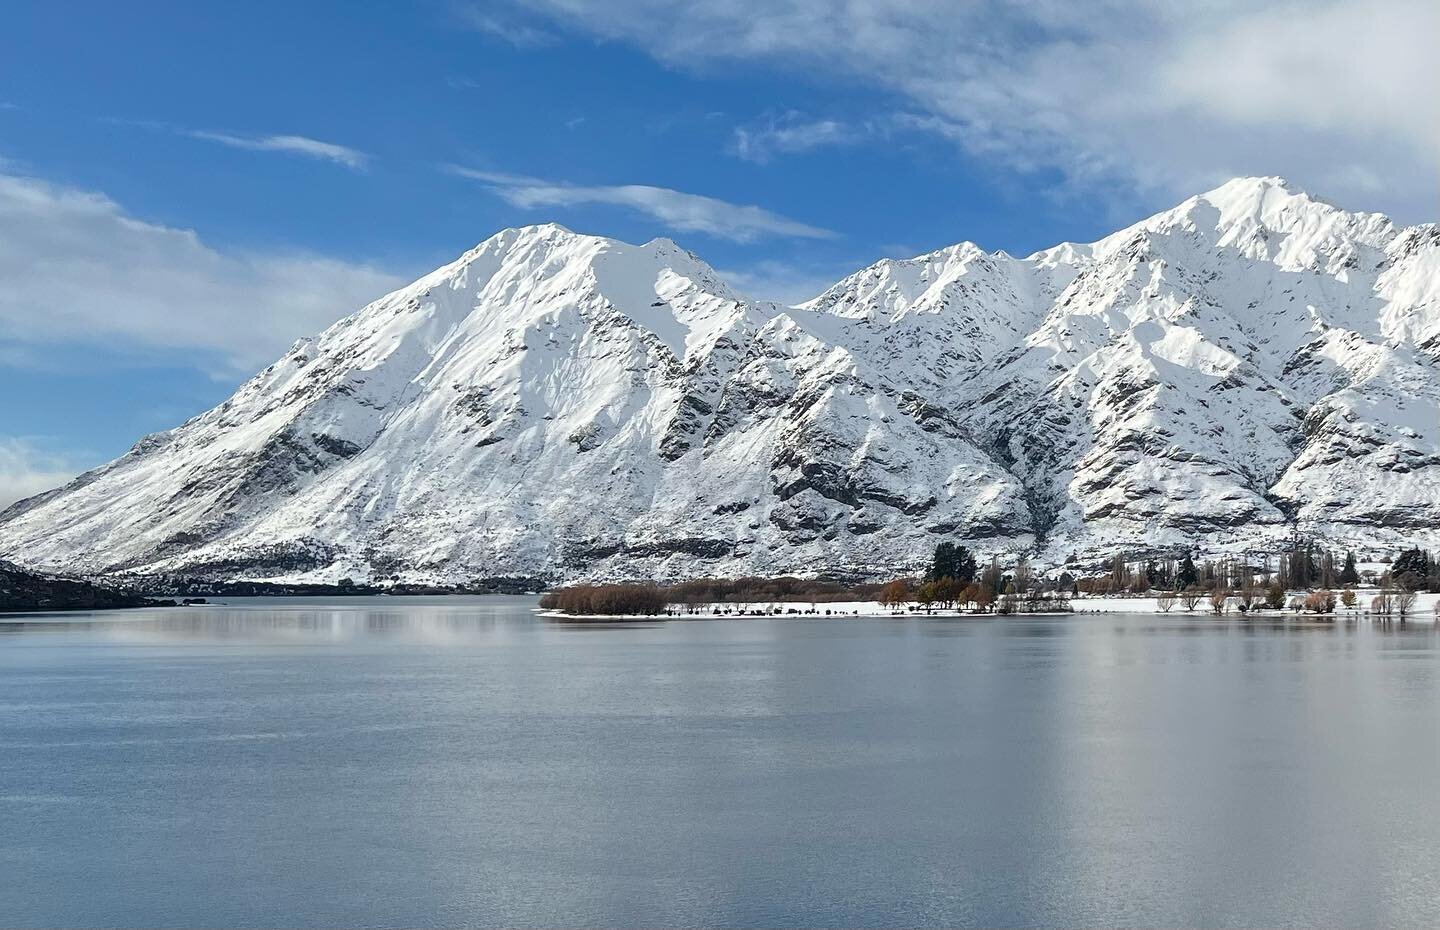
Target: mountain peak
[[1260, 198], [1265, 218], [550, 251], [1252, 185], [532, 235], [548, 238]]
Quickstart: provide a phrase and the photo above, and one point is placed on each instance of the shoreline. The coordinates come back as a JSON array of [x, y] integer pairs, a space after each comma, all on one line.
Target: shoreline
[[1423, 610]]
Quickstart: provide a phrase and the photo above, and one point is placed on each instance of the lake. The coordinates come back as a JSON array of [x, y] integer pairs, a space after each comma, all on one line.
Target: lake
[[460, 761]]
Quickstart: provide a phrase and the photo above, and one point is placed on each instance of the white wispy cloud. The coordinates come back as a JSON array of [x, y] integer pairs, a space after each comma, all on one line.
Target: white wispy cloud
[[1159, 96], [294, 145], [511, 25], [285, 144], [793, 132], [25, 470], [76, 267], [673, 209]]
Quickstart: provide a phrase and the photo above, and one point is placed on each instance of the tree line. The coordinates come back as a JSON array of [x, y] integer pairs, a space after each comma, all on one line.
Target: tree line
[[955, 581], [1303, 564], [1240, 584], [648, 599]]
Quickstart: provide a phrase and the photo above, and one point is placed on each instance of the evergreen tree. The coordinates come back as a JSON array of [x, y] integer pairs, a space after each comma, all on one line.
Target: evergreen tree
[[1348, 573], [1297, 566], [942, 566], [1186, 576], [1411, 568], [964, 565], [952, 561]]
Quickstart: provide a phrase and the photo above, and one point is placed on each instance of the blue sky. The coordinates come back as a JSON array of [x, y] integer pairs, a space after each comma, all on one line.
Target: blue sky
[[186, 188]]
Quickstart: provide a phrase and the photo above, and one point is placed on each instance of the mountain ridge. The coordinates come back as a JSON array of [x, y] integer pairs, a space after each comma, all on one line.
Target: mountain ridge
[[1249, 363]]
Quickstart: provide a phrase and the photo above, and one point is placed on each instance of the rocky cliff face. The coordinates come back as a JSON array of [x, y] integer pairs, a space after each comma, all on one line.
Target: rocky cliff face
[[1250, 362]]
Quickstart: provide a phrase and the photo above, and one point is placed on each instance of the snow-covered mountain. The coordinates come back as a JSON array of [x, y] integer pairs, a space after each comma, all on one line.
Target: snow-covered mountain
[[1250, 362]]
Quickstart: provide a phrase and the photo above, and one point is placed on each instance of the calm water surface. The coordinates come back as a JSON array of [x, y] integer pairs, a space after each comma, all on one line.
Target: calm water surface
[[458, 761]]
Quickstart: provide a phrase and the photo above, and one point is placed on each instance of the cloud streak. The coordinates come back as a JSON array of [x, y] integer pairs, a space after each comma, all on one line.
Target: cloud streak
[[76, 267], [673, 209], [508, 25], [793, 133], [293, 145]]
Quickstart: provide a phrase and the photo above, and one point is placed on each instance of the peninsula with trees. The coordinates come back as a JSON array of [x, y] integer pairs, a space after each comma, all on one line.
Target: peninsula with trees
[[1307, 578]]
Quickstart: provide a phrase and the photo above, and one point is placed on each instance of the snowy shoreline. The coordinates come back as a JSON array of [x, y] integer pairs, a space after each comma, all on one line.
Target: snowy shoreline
[[1424, 609]]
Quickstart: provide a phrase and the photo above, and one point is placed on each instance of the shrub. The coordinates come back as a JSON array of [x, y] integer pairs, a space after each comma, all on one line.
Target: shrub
[[607, 599]]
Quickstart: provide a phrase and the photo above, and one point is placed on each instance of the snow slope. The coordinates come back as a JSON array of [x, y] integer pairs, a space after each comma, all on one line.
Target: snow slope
[[1250, 362]]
